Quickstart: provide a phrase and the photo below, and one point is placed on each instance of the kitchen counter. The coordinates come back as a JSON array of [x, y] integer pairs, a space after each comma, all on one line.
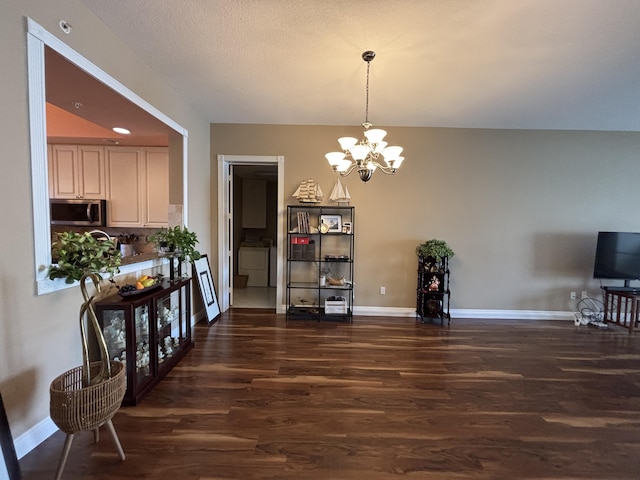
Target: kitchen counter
[[140, 257]]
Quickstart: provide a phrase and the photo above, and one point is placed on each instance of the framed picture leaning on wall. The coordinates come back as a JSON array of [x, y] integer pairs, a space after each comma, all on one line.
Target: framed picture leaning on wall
[[202, 271]]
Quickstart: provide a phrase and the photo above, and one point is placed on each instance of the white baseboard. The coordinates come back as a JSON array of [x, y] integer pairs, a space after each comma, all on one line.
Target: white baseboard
[[34, 437], [469, 313]]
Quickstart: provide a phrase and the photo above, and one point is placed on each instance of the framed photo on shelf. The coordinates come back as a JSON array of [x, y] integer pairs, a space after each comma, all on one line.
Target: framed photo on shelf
[[331, 223]]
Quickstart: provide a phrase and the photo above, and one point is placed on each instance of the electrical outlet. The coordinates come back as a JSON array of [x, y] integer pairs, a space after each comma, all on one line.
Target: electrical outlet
[[383, 290], [584, 294], [573, 296]]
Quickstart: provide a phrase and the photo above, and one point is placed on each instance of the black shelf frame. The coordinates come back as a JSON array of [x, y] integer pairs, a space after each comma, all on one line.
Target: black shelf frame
[[433, 295], [314, 255]]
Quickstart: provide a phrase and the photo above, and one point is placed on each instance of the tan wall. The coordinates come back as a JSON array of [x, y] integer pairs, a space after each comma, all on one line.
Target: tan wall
[[39, 335], [519, 208]]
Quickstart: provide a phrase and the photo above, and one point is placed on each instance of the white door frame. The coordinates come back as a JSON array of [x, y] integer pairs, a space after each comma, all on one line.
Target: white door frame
[[225, 224]]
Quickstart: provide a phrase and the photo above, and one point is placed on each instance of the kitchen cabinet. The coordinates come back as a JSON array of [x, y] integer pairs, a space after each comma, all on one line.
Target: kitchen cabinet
[[137, 186], [76, 171], [149, 333], [156, 187]]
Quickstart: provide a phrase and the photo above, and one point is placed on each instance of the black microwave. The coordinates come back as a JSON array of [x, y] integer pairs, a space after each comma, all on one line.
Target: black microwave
[[78, 212]]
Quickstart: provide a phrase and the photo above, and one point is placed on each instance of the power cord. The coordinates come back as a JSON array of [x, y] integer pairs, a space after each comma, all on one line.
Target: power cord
[[590, 311]]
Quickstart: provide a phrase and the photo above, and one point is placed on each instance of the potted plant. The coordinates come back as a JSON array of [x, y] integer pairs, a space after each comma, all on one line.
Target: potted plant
[[434, 248], [81, 253], [178, 240]]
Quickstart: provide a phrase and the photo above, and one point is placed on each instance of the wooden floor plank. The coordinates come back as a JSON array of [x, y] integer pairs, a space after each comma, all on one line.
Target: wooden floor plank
[[260, 398]]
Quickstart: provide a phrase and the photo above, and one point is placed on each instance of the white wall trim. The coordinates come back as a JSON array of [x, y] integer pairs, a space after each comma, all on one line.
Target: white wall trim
[[37, 38], [34, 437], [225, 231], [468, 313]]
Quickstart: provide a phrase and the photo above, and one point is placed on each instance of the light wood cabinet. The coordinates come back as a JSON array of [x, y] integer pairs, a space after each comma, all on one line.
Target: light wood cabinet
[[156, 188], [77, 171], [137, 186], [125, 171]]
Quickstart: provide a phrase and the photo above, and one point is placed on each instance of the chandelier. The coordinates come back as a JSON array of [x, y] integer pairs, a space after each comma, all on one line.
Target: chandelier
[[367, 155]]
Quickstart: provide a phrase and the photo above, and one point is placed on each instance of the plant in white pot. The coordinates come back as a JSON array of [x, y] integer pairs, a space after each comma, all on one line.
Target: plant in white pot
[[177, 242]]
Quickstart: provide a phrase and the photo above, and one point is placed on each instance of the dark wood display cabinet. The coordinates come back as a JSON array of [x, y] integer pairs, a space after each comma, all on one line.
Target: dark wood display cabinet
[[149, 332], [433, 294], [320, 264]]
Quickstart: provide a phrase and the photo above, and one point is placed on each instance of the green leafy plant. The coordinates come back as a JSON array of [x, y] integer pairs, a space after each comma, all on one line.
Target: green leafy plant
[[179, 240], [434, 248], [80, 253]]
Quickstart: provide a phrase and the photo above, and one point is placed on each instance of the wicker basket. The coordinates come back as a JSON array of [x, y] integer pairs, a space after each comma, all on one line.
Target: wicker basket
[[74, 408]]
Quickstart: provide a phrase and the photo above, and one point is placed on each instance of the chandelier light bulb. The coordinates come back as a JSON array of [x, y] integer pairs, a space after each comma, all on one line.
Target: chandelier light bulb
[[347, 142], [391, 153], [360, 152], [334, 158], [375, 136], [380, 147]]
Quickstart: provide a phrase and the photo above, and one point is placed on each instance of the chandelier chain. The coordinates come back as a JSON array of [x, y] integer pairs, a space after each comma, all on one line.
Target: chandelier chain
[[366, 109]]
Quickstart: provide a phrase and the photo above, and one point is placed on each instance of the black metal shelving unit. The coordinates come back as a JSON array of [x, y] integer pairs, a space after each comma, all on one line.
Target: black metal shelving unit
[[433, 293], [320, 262]]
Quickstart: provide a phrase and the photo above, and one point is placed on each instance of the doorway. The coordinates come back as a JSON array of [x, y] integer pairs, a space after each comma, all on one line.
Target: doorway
[[250, 255], [255, 232]]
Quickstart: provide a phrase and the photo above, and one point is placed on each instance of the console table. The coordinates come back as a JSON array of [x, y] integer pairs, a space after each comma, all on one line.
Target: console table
[[622, 307]]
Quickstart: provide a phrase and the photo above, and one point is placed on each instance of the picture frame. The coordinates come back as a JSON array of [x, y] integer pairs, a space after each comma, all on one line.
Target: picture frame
[[346, 228], [333, 223], [202, 272], [9, 465]]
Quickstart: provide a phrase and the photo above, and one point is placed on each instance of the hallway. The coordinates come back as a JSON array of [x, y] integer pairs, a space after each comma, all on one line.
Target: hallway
[[254, 297]]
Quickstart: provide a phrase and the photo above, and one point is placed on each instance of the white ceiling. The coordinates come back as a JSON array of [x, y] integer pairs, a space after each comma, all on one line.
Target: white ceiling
[[530, 64]]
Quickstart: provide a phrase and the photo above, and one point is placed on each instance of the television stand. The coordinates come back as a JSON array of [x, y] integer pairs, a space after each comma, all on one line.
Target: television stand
[[625, 289], [622, 307]]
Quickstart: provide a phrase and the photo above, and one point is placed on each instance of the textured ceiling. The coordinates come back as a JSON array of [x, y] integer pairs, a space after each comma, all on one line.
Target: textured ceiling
[[532, 64]]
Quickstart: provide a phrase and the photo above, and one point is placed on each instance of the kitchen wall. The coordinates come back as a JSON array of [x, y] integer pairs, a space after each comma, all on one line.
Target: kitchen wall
[[520, 209], [39, 335]]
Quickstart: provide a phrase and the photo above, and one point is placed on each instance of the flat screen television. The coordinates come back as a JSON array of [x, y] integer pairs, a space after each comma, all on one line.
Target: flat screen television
[[617, 256]]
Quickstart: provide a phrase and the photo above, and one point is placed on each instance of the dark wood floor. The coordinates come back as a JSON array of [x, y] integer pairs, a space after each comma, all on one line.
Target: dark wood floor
[[382, 398]]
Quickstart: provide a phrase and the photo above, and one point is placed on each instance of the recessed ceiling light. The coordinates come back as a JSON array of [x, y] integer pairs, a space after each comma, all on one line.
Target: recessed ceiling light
[[121, 130]]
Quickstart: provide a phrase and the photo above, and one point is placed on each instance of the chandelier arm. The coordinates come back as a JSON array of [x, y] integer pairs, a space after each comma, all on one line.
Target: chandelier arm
[[384, 169], [351, 168]]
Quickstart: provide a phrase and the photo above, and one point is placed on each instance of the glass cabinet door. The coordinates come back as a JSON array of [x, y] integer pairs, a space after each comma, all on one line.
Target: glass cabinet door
[[168, 333], [185, 326], [115, 334], [142, 354]]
